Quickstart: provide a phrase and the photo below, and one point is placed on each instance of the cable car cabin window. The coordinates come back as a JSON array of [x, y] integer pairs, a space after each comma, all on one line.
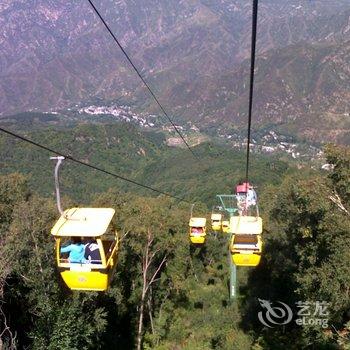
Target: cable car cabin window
[[245, 242], [197, 230], [71, 250], [109, 241], [246, 239], [64, 242]]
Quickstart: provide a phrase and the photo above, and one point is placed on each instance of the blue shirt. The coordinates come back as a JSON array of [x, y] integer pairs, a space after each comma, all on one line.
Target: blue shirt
[[76, 252]]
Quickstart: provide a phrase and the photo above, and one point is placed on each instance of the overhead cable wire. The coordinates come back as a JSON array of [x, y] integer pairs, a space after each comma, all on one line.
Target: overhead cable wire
[[142, 78], [22, 138], [251, 85]]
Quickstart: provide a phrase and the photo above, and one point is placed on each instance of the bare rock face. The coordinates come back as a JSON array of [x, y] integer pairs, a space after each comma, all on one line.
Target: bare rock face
[[54, 54]]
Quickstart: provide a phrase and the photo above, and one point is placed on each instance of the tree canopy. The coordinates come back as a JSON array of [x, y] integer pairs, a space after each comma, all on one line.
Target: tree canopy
[[167, 294]]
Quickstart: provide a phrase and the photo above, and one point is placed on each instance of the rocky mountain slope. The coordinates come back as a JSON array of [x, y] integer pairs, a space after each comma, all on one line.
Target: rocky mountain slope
[[55, 54], [302, 88]]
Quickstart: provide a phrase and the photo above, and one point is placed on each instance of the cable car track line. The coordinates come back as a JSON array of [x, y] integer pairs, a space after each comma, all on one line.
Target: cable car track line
[[22, 138], [251, 86], [142, 78]]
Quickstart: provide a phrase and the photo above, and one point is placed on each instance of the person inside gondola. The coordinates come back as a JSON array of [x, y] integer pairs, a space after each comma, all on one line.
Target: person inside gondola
[[197, 230], [246, 196], [76, 251], [241, 194], [251, 197], [92, 253]]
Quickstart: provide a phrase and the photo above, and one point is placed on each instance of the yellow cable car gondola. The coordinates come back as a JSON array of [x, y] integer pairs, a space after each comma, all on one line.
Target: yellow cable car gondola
[[197, 230], [216, 221], [246, 242], [225, 226], [93, 249]]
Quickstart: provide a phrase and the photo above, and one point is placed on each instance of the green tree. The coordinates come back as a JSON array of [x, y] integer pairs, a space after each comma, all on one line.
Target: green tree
[[307, 235]]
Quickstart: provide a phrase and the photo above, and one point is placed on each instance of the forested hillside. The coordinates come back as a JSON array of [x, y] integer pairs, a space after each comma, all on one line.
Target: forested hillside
[[129, 151], [306, 236]]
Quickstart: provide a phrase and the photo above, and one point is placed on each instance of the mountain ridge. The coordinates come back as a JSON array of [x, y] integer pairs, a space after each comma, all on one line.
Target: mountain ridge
[[56, 55]]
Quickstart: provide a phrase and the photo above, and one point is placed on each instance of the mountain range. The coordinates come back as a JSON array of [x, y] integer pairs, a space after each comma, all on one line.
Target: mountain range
[[194, 54]]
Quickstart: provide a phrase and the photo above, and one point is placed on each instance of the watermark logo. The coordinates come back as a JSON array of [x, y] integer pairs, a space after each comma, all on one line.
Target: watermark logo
[[310, 313], [274, 315]]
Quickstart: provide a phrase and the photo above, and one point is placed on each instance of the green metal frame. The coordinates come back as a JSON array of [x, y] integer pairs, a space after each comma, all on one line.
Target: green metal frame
[[228, 202]]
